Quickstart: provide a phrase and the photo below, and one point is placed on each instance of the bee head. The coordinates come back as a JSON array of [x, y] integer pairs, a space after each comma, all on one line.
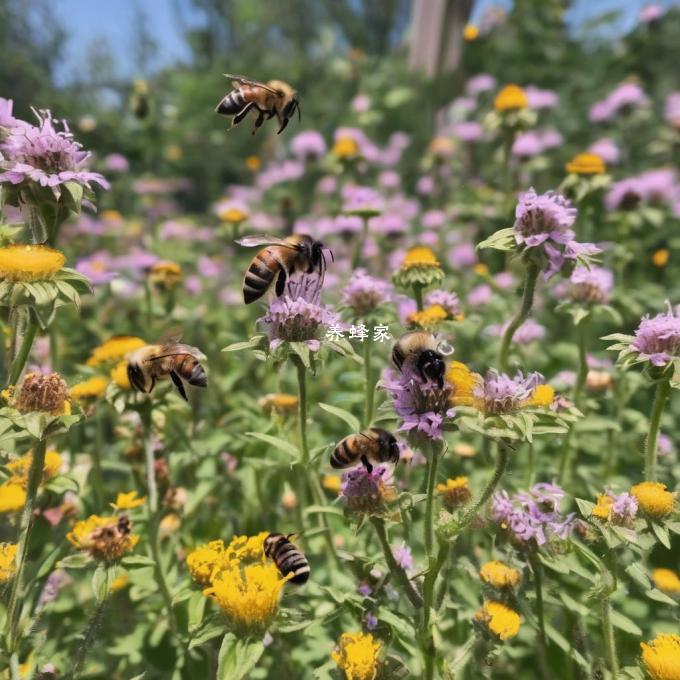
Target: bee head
[[271, 542], [431, 365], [136, 376]]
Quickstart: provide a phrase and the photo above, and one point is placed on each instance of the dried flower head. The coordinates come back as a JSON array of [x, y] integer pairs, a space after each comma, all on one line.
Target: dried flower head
[[8, 553], [511, 97], [586, 164], [106, 539], [30, 263], [499, 575], [499, 620], [455, 492], [666, 580], [358, 655], [42, 393], [653, 498], [661, 657]]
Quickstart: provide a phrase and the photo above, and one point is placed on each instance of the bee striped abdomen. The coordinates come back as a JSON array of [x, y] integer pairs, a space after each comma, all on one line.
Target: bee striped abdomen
[[259, 277], [289, 560], [342, 455], [232, 103]]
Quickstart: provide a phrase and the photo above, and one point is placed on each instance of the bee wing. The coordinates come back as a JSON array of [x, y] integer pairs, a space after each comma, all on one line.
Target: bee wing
[[171, 336], [264, 240], [241, 80]]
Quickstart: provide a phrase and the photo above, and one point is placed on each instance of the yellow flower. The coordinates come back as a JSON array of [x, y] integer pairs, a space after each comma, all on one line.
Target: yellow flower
[[357, 654], [470, 32], [429, 318], [119, 375], [12, 497], [253, 163], [114, 350], [499, 619], [20, 467], [603, 507], [345, 148], [499, 575], [543, 397], [112, 216], [8, 552], [661, 657], [586, 164], [455, 492], [511, 97], [660, 257], [165, 274], [29, 262], [89, 389], [249, 595], [463, 381], [331, 483], [653, 498], [420, 256], [204, 560], [481, 269], [232, 214], [173, 152], [284, 404], [42, 393], [119, 582], [442, 147], [128, 501], [105, 538], [667, 580]]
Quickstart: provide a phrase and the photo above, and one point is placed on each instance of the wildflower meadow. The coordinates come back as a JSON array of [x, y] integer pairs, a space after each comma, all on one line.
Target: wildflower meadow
[[360, 363]]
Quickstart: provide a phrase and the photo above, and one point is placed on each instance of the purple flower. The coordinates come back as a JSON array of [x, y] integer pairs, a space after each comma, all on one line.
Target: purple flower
[[367, 492], [402, 556], [482, 82], [529, 331], [116, 162], [449, 301], [665, 444], [359, 199], [467, 131], [425, 185], [462, 255], [327, 185], [98, 267], [361, 103], [422, 405], [364, 589], [653, 186], [365, 293], [433, 219], [504, 280], [298, 316], [625, 508], [657, 339], [671, 112], [45, 155], [624, 96], [480, 295], [389, 179], [370, 621], [541, 99], [57, 580], [308, 145], [499, 394], [7, 120], [527, 144], [543, 217], [389, 224], [592, 284], [607, 150], [651, 13]]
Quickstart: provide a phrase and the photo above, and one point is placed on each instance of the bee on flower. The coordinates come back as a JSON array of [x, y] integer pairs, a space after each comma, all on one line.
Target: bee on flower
[[106, 539]]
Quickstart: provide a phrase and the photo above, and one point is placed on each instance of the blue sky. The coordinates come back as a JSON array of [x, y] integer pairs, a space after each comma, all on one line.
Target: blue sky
[[112, 21]]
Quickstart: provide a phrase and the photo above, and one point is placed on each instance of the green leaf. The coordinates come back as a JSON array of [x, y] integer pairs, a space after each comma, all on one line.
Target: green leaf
[[661, 532], [209, 631], [302, 350], [625, 624], [62, 484], [586, 507], [74, 194], [277, 442], [77, 561], [328, 509], [341, 413], [463, 655], [503, 239], [197, 603], [638, 574], [137, 562], [101, 581], [238, 657], [660, 596], [565, 646]]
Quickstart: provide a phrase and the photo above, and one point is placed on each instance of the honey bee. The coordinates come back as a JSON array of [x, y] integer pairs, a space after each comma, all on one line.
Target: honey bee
[[289, 559], [150, 363], [275, 98], [374, 445], [424, 353], [280, 258]]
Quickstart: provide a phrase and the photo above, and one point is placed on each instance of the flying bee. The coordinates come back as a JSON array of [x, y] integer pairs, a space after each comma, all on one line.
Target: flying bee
[[289, 559], [424, 353], [149, 364], [274, 98], [371, 446], [280, 258]]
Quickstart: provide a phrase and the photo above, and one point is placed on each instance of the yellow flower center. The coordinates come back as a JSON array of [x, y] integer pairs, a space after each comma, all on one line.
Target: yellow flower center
[[455, 492], [345, 147], [233, 215], [655, 501], [114, 349], [8, 553], [29, 262], [586, 164], [499, 575], [429, 317], [603, 508], [420, 256], [90, 389], [666, 579], [511, 97], [470, 32], [463, 381], [357, 654], [499, 619], [253, 163], [661, 657], [543, 397]]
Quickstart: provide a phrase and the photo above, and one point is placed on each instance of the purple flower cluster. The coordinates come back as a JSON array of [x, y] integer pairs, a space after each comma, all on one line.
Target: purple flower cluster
[[483, 82], [387, 156], [529, 331], [359, 199], [671, 111], [541, 99], [653, 186], [467, 131], [403, 556], [606, 149], [626, 95], [534, 142], [43, 154], [422, 405], [366, 491], [592, 284], [657, 339], [500, 394], [365, 293], [308, 145], [449, 301], [534, 515], [625, 508]]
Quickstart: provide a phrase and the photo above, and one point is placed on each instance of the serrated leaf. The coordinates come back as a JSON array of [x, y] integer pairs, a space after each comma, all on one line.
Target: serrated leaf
[[351, 420], [237, 657]]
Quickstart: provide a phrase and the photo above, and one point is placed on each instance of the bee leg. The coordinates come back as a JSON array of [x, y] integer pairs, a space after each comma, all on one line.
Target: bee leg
[[178, 384], [258, 122], [281, 283], [242, 114], [367, 465], [272, 113], [284, 122]]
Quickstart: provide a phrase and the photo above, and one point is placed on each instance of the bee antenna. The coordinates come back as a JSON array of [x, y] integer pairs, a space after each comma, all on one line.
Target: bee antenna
[[294, 533], [299, 110]]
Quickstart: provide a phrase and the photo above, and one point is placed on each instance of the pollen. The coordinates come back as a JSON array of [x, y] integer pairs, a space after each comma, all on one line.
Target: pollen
[[655, 501], [463, 381], [455, 492], [543, 397], [499, 575], [114, 350], [420, 256], [586, 164], [510, 98], [499, 619], [8, 553], [358, 655], [666, 580], [128, 501], [661, 657], [30, 262]]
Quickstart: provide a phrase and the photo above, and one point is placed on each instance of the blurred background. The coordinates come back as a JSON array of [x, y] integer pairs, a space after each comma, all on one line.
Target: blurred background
[[142, 78]]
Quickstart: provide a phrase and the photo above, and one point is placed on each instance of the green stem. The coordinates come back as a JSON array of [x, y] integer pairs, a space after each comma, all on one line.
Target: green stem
[[582, 341], [97, 477], [370, 385], [418, 296], [429, 648], [395, 570], [432, 464], [663, 390], [25, 526], [537, 569], [153, 517], [359, 244], [609, 640], [302, 408], [21, 358], [526, 304], [502, 458]]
